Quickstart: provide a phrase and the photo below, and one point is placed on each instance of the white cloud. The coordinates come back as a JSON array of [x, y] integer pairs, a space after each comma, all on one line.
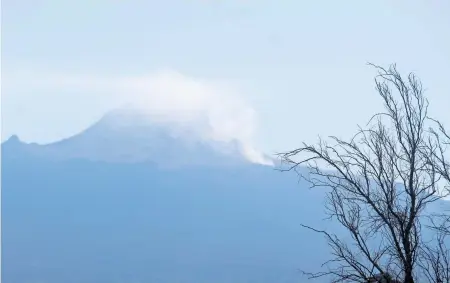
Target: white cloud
[[214, 110]]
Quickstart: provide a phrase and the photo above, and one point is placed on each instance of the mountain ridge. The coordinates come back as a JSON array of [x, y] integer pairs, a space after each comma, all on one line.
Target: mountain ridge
[[127, 136]]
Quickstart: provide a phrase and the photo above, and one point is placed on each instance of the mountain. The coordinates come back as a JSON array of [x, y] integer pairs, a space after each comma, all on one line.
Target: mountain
[[131, 201], [99, 208], [128, 136]]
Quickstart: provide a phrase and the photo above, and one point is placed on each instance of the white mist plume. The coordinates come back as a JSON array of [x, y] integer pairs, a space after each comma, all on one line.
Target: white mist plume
[[173, 97], [214, 111]]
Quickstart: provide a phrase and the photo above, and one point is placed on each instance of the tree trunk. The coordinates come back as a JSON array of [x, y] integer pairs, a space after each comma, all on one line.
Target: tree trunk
[[408, 277]]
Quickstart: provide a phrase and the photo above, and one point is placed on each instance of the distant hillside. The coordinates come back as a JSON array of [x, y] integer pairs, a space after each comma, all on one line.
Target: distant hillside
[[84, 221]]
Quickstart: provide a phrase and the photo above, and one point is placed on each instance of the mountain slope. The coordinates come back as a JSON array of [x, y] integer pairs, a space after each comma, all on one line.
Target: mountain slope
[[83, 221]]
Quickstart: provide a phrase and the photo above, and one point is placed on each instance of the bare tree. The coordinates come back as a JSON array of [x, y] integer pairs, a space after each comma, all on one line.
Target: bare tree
[[380, 183]]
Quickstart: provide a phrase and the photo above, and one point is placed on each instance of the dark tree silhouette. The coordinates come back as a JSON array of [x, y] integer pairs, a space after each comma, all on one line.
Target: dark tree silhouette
[[380, 184]]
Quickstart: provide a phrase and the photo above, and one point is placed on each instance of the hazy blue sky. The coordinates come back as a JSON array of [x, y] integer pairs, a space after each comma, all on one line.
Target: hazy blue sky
[[287, 70]]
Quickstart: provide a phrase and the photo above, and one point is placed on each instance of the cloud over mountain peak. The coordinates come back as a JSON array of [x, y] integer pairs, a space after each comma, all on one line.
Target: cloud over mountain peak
[[214, 111]]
